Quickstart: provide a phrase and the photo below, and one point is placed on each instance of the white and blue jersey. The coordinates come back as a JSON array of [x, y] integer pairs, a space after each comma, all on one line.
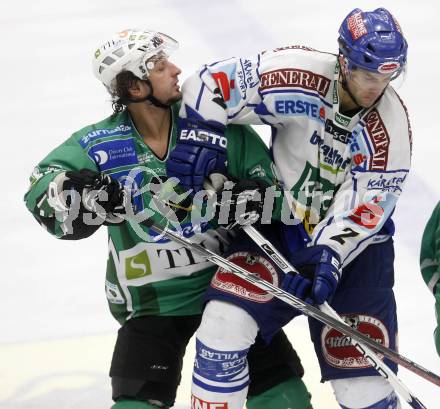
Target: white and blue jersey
[[343, 175]]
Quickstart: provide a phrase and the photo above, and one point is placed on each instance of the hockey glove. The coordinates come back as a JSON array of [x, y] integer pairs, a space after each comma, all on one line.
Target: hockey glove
[[241, 203], [320, 271], [200, 150], [97, 192]]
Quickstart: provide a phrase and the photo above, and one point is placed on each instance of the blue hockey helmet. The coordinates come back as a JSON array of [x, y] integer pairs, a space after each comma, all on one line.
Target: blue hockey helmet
[[373, 40]]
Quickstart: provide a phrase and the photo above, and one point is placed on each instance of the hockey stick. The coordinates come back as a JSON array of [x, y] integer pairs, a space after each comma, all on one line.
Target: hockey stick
[[297, 303], [367, 352], [328, 316]]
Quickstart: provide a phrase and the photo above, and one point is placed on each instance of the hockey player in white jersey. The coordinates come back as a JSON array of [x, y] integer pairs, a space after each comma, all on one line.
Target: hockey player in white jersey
[[341, 140]]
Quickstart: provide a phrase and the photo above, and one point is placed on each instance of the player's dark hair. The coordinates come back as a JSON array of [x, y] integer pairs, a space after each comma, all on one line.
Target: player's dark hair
[[124, 81]]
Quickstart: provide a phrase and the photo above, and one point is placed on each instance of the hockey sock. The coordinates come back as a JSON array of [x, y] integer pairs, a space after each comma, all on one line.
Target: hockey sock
[[366, 392], [289, 394], [389, 402], [221, 374]]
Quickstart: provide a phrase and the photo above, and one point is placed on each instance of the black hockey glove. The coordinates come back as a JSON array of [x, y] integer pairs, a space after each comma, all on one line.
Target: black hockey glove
[[241, 203], [97, 193], [97, 189]]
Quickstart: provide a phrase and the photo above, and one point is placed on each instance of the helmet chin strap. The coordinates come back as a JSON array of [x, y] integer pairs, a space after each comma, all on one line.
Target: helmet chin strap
[[153, 99], [150, 97], [344, 85]]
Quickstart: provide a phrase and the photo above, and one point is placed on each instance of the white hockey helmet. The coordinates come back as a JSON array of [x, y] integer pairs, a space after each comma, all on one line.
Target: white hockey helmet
[[130, 50]]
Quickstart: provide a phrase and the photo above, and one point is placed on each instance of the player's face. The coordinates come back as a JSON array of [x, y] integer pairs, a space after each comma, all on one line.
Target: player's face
[[165, 81], [367, 86]]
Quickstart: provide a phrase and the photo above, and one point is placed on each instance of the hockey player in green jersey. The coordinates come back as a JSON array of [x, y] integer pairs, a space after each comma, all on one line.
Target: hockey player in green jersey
[[430, 264], [154, 286]]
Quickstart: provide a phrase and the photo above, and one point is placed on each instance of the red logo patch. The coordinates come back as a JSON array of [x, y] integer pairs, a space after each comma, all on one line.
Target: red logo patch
[[222, 80], [197, 403], [367, 215], [356, 26], [337, 348], [358, 158], [388, 67], [230, 283]]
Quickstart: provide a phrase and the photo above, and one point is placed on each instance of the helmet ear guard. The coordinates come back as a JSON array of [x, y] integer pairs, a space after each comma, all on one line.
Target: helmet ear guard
[[373, 41]]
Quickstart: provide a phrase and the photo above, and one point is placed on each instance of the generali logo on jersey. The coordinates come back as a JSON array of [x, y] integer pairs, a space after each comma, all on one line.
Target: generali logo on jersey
[[380, 139], [290, 77], [197, 403]]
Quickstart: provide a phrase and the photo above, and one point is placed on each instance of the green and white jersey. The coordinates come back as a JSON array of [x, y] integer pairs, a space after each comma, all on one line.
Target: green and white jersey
[[144, 276], [430, 264], [430, 251]]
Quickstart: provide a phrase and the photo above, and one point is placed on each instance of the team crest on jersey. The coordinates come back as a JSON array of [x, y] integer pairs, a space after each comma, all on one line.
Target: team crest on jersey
[[337, 349], [230, 283]]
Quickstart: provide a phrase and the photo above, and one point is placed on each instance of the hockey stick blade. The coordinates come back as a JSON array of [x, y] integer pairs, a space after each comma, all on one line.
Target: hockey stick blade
[[306, 309]]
